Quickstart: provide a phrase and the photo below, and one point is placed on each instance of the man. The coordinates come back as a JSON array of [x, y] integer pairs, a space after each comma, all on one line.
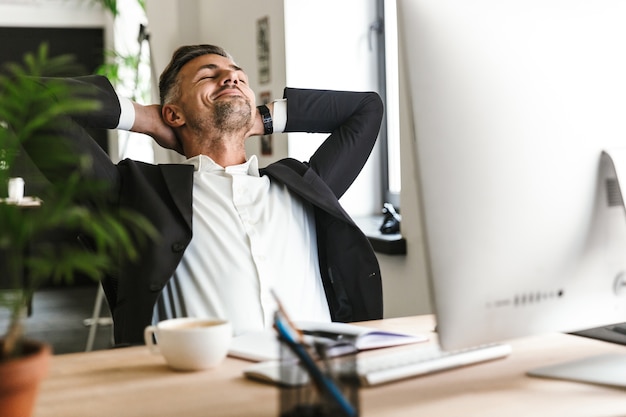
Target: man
[[279, 228]]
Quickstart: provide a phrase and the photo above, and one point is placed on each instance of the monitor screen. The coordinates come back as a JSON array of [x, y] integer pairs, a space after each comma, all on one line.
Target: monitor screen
[[513, 103]]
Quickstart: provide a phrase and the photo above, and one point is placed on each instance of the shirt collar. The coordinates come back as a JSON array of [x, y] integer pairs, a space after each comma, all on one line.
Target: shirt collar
[[206, 164]]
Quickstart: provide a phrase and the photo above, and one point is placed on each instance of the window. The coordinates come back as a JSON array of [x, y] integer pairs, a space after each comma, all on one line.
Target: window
[[385, 30], [335, 51]]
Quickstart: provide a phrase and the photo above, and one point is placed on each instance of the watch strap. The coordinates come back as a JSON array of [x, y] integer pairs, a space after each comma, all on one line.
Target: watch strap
[[268, 124]]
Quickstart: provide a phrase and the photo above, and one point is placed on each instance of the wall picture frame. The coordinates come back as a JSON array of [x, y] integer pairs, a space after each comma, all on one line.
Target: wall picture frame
[[263, 49]]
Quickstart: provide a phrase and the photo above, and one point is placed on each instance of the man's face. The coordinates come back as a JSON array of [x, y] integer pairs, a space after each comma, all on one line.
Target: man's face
[[215, 94]]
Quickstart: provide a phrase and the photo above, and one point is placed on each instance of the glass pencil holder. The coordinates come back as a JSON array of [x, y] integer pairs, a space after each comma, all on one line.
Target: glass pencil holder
[[334, 391]]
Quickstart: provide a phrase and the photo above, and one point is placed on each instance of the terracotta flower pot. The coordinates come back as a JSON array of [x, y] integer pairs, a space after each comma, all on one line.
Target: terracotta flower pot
[[20, 377]]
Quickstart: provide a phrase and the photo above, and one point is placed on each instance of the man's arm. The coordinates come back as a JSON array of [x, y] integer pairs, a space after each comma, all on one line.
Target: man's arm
[[69, 127], [353, 120]]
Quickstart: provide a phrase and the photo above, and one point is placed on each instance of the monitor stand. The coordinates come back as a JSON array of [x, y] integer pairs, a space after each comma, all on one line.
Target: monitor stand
[[608, 369]]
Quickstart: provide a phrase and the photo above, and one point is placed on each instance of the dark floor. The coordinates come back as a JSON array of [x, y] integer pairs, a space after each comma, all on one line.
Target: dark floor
[[58, 317]]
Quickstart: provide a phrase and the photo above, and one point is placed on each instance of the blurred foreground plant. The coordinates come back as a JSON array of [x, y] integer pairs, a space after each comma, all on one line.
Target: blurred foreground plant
[[31, 116]]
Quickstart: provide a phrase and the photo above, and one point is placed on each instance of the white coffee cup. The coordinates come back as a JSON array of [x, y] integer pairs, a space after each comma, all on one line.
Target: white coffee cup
[[190, 344], [16, 189]]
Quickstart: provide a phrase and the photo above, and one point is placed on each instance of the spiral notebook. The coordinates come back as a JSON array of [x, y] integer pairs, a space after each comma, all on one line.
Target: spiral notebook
[[263, 345]]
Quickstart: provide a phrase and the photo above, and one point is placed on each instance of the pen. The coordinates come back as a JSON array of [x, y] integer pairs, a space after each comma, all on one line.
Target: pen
[[323, 382], [282, 310]]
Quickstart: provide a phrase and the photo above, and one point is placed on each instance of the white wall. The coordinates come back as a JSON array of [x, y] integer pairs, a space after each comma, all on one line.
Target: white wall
[[171, 24], [405, 277], [407, 291], [53, 13]]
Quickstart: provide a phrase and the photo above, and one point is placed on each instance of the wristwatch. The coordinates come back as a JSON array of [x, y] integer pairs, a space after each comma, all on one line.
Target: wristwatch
[[268, 125]]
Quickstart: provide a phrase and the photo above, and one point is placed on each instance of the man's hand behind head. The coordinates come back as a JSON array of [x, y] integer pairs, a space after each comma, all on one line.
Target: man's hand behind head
[[148, 120]]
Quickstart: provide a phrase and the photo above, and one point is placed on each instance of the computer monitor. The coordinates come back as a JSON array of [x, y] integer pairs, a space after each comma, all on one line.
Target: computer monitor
[[513, 104]]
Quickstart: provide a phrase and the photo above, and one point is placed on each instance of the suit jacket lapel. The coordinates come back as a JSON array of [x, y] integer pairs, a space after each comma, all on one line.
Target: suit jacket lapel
[[303, 181], [179, 180]]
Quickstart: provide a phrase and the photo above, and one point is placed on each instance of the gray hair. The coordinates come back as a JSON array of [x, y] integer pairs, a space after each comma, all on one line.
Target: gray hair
[[169, 87]]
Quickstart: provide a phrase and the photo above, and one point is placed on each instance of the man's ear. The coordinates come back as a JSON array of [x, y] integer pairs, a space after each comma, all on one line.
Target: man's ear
[[172, 115]]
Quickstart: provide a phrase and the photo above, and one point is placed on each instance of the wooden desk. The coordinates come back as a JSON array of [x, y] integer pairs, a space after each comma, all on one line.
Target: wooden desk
[[132, 382]]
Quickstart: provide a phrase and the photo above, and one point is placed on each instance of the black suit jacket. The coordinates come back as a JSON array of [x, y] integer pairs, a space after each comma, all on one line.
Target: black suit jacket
[[163, 193]]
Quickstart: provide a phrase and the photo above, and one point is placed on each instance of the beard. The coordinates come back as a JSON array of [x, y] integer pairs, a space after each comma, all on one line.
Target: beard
[[229, 116], [233, 115]]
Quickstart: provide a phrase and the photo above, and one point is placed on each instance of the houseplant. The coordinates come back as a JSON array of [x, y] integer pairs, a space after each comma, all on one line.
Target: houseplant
[[29, 115]]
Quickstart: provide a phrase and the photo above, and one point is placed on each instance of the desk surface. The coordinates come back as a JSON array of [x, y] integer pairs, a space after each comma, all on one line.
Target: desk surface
[[131, 382]]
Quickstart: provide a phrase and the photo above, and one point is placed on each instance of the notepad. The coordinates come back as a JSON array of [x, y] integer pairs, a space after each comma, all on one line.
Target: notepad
[[264, 346]]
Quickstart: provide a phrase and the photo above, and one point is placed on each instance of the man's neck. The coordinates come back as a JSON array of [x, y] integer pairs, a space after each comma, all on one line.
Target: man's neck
[[226, 159], [226, 151]]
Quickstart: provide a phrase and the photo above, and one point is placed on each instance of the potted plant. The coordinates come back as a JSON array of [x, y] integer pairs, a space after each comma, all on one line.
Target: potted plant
[[29, 115]]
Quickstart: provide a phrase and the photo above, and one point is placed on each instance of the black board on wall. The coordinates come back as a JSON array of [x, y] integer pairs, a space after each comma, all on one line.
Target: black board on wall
[[86, 45]]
